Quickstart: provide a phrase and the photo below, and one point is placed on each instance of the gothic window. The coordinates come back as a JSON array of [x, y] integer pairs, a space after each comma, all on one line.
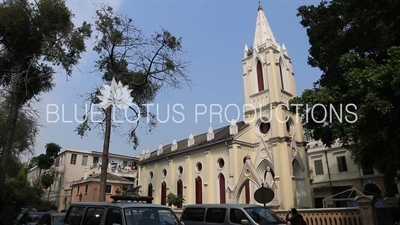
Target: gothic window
[[180, 191], [260, 77], [222, 197], [281, 75], [247, 191], [264, 127], [199, 190], [164, 193], [150, 190]]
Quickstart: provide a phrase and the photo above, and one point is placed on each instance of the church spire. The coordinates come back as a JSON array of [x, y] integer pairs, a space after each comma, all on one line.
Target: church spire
[[263, 34]]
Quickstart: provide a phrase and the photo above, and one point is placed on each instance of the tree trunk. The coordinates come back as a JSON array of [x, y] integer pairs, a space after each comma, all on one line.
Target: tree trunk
[[48, 193], [104, 158], [11, 123]]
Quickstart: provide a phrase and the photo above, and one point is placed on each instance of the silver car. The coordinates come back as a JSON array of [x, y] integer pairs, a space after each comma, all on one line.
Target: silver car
[[229, 214]]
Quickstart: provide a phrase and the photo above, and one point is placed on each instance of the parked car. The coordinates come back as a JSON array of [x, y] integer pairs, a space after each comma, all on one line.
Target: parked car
[[229, 214], [128, 212], [52, 218], [29, 218]]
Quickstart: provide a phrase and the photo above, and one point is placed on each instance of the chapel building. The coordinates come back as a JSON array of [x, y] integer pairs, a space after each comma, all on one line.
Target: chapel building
[[228, 164]]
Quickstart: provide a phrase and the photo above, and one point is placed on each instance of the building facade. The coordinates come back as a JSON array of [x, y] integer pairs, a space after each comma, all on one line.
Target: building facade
[[73, 165], [88, 188], [228, 164], [335, 176]]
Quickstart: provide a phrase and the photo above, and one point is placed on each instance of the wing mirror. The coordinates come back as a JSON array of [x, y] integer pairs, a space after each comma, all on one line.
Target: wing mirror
[[244, 222]]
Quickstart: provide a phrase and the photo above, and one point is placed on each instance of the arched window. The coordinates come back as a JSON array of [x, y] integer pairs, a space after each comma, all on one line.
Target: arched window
[[247, 191], [150, 190], [260, 77], [199, 190], [281, 75], [164, 193], [180, 191], [222, 196]]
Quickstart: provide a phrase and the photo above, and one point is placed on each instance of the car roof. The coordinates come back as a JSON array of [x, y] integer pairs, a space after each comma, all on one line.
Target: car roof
[[222, 206], [33, 212], [119, 204], [57, 214]]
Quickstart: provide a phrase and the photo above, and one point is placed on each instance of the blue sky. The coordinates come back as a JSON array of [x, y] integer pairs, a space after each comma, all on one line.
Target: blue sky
[[214, 34]]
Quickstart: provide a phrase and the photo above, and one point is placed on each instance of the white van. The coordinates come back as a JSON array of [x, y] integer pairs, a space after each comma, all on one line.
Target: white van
[[229, 214]]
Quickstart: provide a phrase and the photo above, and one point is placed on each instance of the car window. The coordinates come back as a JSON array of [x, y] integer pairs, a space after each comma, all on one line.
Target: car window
[[236, 216], [58, 220], [215, 215], [32, 217], [262, 215], [114, 216], [93, 216], [74, 215], [150, 216], [193, 214]]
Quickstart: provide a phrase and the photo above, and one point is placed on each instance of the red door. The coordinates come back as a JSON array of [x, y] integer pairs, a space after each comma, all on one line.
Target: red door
[[222, 196], [163, 193], [199, 191], [180, 191], [150, 190]]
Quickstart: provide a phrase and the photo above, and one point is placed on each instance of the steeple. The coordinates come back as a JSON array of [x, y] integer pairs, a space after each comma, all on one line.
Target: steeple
[[263, 34]]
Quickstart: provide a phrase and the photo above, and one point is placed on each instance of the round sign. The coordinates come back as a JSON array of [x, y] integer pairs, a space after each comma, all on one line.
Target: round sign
[[264, 195]]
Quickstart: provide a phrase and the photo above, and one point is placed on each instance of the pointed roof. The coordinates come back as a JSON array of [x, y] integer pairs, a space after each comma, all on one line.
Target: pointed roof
[[263, 32]]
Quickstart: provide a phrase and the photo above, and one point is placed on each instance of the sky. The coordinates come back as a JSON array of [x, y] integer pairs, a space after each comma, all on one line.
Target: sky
[[213, 33]]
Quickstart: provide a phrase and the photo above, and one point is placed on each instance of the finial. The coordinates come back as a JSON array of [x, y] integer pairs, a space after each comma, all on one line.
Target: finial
[[259, 6]]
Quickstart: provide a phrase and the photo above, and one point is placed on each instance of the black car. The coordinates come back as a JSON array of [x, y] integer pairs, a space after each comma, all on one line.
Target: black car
[[29, 218]]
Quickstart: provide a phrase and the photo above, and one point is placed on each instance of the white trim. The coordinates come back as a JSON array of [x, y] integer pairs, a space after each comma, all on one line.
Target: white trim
[[339, 152], [316, 156]]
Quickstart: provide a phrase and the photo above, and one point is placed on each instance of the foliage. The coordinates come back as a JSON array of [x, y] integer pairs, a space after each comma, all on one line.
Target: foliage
[[35, 36], [144, 64], [18, 189], [174, 200], [27, 127], [354, 44]]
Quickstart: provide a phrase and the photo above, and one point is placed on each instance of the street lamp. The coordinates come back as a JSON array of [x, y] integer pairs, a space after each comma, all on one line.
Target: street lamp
[[80, 197]]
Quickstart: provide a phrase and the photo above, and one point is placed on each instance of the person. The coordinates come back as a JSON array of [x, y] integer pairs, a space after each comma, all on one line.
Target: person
[[296, 218]]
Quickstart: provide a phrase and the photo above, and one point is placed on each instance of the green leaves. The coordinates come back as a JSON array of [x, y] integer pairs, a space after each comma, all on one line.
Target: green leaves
[[356, 46], [174, 200]]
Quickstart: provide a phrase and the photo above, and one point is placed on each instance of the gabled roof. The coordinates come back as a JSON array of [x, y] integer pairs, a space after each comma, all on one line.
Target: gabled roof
[[220, 134]]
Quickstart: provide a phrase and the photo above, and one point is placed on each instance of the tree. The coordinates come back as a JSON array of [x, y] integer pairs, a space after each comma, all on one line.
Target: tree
[[174, 200], [354, 44], [27, 127], [144, 64], [45, 162], [34, 37]]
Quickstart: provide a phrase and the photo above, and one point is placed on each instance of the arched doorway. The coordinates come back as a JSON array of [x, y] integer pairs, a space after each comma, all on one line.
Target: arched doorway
[[222, 195], [301, 194], [180, 191], [199, 190], [150, 190], [164, 193], [372, 189]]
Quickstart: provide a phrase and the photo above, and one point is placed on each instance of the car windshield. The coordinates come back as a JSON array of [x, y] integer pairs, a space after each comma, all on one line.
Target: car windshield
[[149, 216], [33, 217], [262, 215], [58, 220]]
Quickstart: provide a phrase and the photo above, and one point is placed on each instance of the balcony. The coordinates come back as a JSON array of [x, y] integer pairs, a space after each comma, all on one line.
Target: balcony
[[128, 171]]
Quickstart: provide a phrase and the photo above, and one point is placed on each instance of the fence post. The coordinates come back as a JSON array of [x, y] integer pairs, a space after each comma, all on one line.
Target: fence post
[[367, 209]]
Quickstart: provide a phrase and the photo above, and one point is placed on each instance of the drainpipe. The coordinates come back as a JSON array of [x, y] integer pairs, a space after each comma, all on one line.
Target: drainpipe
[[329, 172]]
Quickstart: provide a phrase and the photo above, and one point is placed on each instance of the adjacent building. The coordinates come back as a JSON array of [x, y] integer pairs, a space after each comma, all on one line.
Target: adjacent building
[[229, 164], [88, 188], [337, 178], [74, 165]]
